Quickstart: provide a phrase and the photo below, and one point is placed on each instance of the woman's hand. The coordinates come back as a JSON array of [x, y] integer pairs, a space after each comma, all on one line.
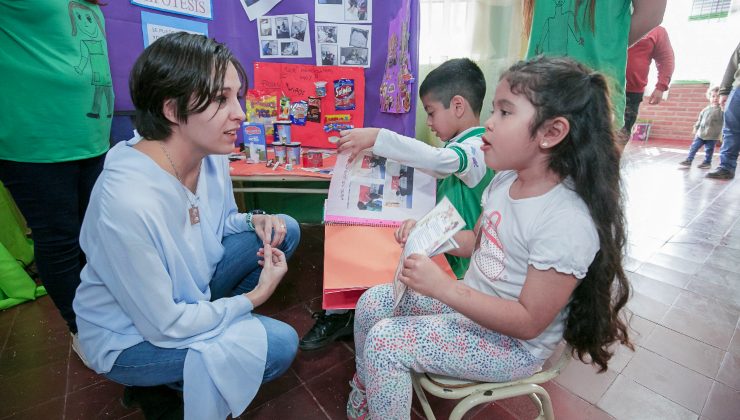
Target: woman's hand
[[402, 233], [423, 275], [270, 228], [274, 267], [356, 140]]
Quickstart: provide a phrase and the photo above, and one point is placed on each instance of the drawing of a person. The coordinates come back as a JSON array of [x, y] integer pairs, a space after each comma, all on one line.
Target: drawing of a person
[[557, 30], [93, 51]]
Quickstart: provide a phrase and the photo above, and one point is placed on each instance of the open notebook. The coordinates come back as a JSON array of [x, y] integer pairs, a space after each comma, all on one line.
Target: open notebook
[[368, 199]]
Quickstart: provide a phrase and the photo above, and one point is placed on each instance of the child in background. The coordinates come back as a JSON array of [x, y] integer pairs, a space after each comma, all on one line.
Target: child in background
[[452, 95], [707, 129], [546, 252]]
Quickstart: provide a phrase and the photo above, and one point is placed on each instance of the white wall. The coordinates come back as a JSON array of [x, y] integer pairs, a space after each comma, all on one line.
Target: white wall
[[702, 48]]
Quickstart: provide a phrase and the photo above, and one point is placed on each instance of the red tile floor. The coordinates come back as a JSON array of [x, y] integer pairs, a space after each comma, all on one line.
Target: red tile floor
[[683, 260]]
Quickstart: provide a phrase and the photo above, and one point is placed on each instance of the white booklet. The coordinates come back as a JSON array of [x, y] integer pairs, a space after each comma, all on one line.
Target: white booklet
[[431, 235]]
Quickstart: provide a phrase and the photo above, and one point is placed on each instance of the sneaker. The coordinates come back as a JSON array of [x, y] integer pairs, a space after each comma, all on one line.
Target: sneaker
[[327, 329], [685, 163], [78, 350], [357, 402], [721, 173], [704, 165]]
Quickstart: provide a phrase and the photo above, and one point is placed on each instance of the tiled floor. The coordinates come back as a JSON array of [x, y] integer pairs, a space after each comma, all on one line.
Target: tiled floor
[[684, 263]]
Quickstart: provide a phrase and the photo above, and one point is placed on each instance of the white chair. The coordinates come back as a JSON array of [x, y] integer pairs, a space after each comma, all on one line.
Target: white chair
[[475, 393]]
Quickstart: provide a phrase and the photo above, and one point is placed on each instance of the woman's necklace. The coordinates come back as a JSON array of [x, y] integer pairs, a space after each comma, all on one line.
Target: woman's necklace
[[193, 210]]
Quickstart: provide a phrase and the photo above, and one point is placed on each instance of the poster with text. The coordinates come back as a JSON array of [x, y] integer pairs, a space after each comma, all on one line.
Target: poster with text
[[341, 11], [154, 26], [284, 36], [257, 8], [198, 8], [298, 83], [343, 44]]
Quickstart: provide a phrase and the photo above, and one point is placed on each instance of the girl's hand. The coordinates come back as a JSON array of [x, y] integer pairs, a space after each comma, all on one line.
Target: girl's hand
[[423, 275], [402, 233], [270, 228], [356, 140]]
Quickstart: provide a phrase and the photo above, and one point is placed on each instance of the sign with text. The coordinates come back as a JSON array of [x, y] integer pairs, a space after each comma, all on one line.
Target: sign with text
[[197, 8], [154, 26]]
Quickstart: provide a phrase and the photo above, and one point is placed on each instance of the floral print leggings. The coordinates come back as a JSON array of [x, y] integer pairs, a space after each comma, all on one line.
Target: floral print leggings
[[425, 335]]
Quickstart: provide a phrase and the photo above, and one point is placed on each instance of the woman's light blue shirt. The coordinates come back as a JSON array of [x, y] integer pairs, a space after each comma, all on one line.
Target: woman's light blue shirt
[[147, 277]]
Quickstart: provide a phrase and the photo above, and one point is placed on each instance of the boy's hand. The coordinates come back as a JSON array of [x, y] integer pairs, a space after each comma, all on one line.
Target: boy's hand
[[356, 140], [656, 97], [423, 275], [402, 233]]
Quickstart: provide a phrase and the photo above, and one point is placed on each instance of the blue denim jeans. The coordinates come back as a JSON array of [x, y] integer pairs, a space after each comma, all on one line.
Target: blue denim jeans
[[731, 133], [147, 365], [53, 198], [708, 149]]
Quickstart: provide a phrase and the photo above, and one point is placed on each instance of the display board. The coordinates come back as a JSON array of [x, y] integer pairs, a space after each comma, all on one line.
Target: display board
[[229, 24], [297, 81]]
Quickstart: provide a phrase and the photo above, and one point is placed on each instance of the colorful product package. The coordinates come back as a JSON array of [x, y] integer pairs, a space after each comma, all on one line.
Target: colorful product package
[[344, 94], [255, 145], [282, 132], [314, 109], [284, 108], [262, 107], [294, 153], [298, 112]]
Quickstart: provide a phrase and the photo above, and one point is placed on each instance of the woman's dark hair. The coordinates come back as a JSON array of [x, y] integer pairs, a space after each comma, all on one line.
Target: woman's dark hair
[[186, 68], [561, 87]]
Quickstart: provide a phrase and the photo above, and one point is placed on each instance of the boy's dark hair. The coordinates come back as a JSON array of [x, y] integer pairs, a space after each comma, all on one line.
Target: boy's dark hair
[[186, 68], [459, 76], [588, 155]]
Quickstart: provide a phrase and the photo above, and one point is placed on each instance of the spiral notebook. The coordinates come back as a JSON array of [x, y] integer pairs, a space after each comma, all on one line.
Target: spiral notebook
[[368, 199]]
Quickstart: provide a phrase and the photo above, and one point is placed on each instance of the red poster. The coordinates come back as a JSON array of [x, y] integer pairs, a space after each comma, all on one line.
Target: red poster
[[296, 81]]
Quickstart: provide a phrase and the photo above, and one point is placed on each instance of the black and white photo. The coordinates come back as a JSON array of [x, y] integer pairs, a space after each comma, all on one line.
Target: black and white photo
[[289, 48], [298, 28], [266, 27], [358, 37], [282, 28], [328, 55], [327, 34], [353, 56]]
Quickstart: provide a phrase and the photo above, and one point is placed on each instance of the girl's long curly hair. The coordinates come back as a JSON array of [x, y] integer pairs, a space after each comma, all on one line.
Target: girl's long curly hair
[[561, 87]]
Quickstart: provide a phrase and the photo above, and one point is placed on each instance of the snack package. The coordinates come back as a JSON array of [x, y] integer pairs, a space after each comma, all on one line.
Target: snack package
[[298, 112], [344, 94], [284, 108], [314, 109], [255, 146], [262, 107]]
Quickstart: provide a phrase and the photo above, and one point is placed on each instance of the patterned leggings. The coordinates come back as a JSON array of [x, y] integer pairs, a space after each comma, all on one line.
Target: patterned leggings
[[426, 336]]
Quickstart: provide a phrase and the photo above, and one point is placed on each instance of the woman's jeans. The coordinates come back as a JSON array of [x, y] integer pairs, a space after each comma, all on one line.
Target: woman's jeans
[[147, 365], [53, 198]]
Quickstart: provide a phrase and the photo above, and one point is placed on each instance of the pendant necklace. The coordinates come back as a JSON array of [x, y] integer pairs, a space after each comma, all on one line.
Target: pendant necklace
[[193, 210]]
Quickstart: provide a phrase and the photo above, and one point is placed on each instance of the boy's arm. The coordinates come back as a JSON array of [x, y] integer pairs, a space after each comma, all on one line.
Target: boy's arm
[[464, 160]]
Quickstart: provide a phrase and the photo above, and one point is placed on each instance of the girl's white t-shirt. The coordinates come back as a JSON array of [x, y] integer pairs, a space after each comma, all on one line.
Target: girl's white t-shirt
[[553, 230]]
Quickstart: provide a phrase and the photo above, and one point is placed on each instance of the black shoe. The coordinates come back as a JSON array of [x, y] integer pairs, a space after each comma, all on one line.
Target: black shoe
[[721, 173], [685, 163], [156, 402], [327, 329]]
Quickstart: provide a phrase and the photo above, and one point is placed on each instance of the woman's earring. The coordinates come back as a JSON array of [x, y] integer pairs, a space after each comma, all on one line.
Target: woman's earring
[[544, 144]]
